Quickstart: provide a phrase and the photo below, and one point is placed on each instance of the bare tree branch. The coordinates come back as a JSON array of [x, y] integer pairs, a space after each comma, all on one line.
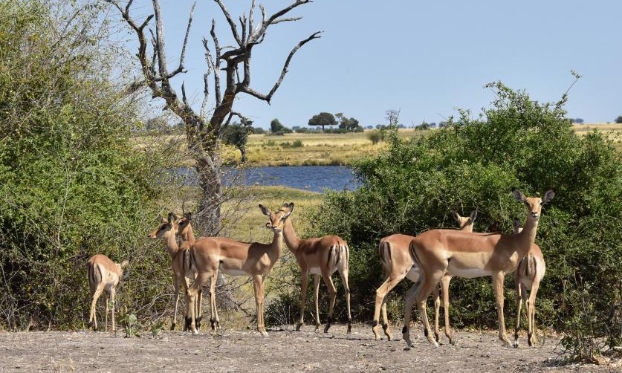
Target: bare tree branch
[[234, 29]]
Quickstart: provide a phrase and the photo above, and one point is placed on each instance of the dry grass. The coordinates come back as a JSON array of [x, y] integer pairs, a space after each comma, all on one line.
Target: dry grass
[[305, 149], [312, 149], [612, 130]]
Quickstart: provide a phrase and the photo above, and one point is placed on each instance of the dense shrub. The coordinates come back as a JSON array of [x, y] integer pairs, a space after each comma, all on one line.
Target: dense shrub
[[72, 184], [473, 164]]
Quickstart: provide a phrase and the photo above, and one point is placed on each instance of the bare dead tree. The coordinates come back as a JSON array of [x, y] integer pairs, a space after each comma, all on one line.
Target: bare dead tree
[[229, 68]]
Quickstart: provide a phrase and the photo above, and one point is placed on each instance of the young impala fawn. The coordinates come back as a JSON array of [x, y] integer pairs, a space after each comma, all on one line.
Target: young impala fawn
[[104, 276]]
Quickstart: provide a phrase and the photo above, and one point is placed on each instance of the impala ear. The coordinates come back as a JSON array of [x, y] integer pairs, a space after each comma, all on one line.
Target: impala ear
[[265, 210], [473, 216], [171, 217], [188, 216], [548, 196], [289, 206], [518, 195], [455, 215]]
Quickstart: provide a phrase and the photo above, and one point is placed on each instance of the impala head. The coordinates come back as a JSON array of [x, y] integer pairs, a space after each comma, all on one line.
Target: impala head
[[183, 223], [464, 222], [277, 218], [167, 227], [124, 264], [534, 204]]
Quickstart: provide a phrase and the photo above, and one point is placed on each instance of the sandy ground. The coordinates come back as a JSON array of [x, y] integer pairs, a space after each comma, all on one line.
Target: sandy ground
[[285, 350]]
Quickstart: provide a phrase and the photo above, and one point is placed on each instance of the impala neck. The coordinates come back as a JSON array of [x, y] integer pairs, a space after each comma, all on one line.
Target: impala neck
[[291, 238], [277, 244], [171, 245], [188, 235], [528, 235]]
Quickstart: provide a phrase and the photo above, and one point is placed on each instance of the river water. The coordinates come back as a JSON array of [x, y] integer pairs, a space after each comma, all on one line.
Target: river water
[[311, 178]]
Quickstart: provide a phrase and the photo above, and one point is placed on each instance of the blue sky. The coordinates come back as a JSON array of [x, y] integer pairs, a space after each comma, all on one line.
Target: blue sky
[[424, 58]]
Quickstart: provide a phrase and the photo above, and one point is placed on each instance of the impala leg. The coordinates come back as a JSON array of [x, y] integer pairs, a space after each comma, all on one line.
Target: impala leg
[[520, 298], [112, 306], [344, 279], [381, 306], [97, 292], [107, 297], [199, 310], [214, 319], [531, 314], [332, 292], [316, 301], [448, 331], [409, 301], [259, 301], [421, 298], [177, 285], [498, 284], [437, 312], [192, 296], [304, 282], [187, 315]]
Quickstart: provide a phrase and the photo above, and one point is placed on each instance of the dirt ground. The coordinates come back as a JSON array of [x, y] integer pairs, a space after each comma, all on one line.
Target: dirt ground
[[285, 350]]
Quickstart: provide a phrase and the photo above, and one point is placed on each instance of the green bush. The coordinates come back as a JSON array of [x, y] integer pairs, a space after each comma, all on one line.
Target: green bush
[[473, 164], [72, 184]]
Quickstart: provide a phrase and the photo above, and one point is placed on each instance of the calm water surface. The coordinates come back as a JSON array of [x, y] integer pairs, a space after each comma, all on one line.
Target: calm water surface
[[312, 178]]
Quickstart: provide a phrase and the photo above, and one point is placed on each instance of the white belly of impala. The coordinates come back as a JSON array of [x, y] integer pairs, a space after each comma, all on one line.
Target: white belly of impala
[[469, 272], [234, 272]]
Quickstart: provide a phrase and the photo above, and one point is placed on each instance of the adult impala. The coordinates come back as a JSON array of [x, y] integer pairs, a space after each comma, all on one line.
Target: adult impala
[[104, 275], [183, 274], [397, 265], [470, 255], [186, 232], [321, 256], [211, 254], [529, 273]]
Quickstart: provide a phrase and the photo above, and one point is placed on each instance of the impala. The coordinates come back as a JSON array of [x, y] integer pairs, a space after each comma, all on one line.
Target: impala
[[185, 231], [211, 254], [180, 261], [397, 264], [529, 273], [470, 255], [104, 275], [321, 256]]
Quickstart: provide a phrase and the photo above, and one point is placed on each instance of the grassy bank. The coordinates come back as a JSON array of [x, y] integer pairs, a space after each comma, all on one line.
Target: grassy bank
[[323, 149]]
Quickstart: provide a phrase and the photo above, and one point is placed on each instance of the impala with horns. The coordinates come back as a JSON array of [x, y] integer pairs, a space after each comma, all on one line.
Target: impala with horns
[[529, 273], [321, 256], [183, 274], [213, 254], [104, 276], [397, 265], [470, 255]]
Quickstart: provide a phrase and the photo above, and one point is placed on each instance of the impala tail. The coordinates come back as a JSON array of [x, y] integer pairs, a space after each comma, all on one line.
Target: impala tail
[[95, 274], [531, 266], [338, 256], [384, 249]]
